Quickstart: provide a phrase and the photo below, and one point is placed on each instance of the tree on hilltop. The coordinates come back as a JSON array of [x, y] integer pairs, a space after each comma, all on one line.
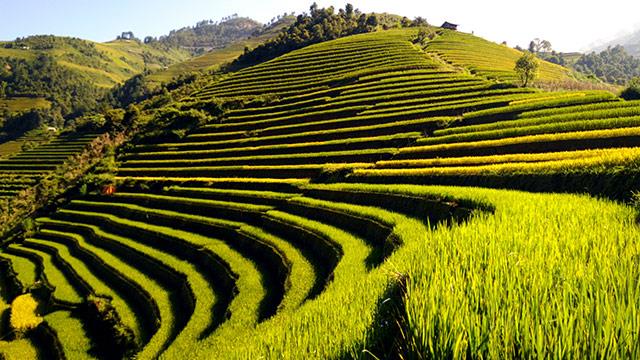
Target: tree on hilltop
[[537, 46], [527, 68], [348, 10]]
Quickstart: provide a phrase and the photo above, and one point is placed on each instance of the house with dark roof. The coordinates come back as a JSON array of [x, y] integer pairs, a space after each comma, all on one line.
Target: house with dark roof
[[450, 26]]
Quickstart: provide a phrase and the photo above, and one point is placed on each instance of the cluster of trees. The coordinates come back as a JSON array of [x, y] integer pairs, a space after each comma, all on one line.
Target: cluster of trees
[[316, 26], [137, 89], [133, 90], [537, 46], [544, 50], [14, 124], [127, 35], [69, 92], [613, 65], [277, 19]]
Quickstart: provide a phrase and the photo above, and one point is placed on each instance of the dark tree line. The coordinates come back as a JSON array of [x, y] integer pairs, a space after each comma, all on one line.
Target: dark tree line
[[310, 28]]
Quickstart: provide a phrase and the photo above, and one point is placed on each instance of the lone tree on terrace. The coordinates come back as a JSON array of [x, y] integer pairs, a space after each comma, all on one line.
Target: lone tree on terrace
[[527, 68]]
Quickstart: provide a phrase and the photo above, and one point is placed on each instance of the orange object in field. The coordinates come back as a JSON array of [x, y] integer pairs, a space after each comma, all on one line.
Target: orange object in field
[[108, 190]]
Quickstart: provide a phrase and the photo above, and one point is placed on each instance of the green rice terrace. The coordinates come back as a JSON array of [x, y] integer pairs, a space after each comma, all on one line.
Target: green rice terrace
[[26, 160], [385, 202]]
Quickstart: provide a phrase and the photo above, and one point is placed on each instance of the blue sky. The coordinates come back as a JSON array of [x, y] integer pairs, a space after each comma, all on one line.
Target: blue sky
[[569, 24]]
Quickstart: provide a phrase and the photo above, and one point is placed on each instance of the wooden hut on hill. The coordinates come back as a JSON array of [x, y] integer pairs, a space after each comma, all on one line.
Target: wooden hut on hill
[[450, 26]]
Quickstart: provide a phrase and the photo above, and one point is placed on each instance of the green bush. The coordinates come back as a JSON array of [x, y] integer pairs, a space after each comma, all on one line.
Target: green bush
[[171, 124], [120, 340], [632, 92]]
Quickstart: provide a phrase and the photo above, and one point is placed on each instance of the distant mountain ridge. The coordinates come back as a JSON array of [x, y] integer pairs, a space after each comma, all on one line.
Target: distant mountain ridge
[[631, 43], [207, 34]]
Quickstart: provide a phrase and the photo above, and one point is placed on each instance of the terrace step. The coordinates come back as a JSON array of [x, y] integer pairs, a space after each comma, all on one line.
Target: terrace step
[[54, 243], [359, 156], [262, 137], [69, 288], [169, 151], [528, 144], [112, 261], [189, 283], [275, 171], [70, 332], [270, 262]]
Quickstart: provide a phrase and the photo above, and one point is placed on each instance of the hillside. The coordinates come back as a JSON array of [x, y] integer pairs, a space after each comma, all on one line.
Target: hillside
[[72, 75], [224, 54], [104, 64], [293, 212], [287, 23], [613, 65]]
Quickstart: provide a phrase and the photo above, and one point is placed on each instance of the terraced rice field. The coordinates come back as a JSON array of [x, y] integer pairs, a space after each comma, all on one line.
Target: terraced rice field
[[487, 58], [14, 146], [304, 229], [23, 168]]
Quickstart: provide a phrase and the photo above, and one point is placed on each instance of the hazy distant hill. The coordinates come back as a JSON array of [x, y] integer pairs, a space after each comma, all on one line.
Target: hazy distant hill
[[207, 34], [631, 43]]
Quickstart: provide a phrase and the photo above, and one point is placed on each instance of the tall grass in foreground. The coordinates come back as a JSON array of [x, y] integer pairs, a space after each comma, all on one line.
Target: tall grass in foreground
[[545, 276]]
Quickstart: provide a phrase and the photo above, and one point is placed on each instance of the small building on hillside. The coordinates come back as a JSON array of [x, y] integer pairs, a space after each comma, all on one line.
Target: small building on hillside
[[449, 26]]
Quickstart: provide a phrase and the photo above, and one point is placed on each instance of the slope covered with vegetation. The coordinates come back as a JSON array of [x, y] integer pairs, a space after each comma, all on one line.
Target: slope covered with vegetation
[[106, 64], [50, 78], [289, 211], [221, 55], [65, 77]]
